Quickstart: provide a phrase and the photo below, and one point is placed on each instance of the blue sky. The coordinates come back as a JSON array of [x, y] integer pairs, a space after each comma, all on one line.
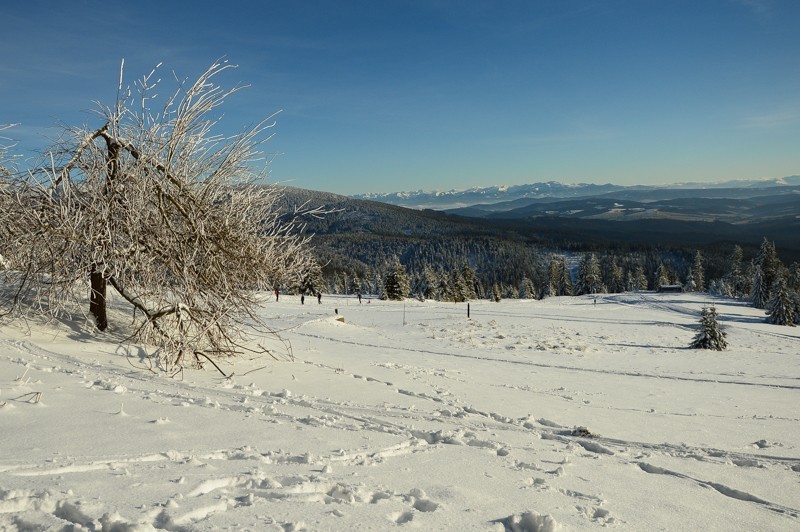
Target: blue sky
[[381, 96]]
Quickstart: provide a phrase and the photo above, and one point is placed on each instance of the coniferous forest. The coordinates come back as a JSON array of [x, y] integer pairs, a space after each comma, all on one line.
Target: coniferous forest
[[365, 247]]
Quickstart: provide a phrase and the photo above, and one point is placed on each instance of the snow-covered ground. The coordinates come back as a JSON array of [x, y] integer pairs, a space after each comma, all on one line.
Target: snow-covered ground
[[531, 415]]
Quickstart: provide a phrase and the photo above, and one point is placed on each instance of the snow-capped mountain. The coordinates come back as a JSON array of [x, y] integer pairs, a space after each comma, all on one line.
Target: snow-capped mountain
[[452, 199]]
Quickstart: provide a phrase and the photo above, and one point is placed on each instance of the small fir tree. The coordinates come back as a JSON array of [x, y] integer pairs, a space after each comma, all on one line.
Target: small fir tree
[[457, 288], [564, 279], [526, 289], [553, 277], [690, 285], [698, 273], [662, 276], [443, 288], [780, 307], [589, 278], [767, 259], [736, 277], [496, 293], [640, 278], [471, 284], [710, 335], [396, 284], [430, 283], [617, 278], [759, 292], [794, 277]]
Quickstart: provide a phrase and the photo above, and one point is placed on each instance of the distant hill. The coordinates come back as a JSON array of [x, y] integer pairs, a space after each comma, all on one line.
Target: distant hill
[[727, 205], [505, 197], [360, 227]]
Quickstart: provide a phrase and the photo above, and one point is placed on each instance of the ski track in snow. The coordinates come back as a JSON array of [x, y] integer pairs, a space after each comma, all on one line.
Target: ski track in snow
[[250, 476], [550, 366]]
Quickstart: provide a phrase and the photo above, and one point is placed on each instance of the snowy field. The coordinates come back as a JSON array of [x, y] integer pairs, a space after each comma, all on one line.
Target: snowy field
[[562, 414]]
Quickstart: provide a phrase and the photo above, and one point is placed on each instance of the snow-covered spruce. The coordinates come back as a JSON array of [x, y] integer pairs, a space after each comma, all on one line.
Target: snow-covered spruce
[[710, 335], [780, 307], [396, 284]]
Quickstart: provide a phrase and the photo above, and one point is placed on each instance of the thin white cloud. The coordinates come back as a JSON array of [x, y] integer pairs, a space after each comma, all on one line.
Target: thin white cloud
[[761, 8], [776, 119]]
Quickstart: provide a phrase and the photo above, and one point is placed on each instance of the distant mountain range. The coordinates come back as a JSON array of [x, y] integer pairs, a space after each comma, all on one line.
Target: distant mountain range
[[629, 217], [484, 201]]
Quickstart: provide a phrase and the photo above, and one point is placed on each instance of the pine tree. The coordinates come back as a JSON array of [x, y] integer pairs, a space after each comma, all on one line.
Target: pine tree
[[355, 282], [735, 278], [429, 285], [767, 260], [662, 276], [640, 278], [553, 277], [710, 335], [443, 288], [377, 282], [759, 293], [471, 283], [795, 297], [396, 284], [589, 280], [718, 288], [526, 289], [780, 307], [698, 273], [794, 277], [496, 293], [613, 277], [564, 280], [690, 285]]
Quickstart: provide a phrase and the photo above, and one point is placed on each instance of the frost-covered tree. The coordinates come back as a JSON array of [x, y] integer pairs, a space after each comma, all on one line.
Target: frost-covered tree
[[526, 289], [612, 275], [589, 280], [767, 260], [396, 282], [496, 297], [456, 288], [553, 277], [357, 283], [690, 285], [564, 279], [307, 282], [443, 288], [780, 307], [472, 287], [6, 198], [793, 281], [509, 291], [662, 276], [639, 278], [559, 281], [718, 287], [710, 334], [164, 211], [759, 292], [735, 279], [376, 284], [429, 283], [698, 273]]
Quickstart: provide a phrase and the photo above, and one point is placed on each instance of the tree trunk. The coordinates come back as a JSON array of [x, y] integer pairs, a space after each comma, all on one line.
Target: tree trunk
[[98, 281], [97, 298]]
